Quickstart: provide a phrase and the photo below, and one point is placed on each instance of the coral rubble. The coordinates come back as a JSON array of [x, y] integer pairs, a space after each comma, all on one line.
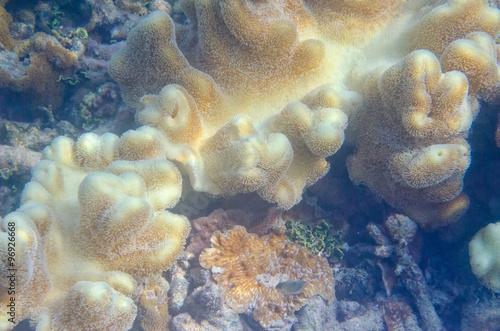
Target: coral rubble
[[210, 313], [402, 231]]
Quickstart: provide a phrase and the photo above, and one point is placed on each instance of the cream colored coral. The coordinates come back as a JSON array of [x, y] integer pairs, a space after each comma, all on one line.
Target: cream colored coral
[[465, 16], [484, 251], [430, 165], [419, 165], [84, 306], [343, 17], [249, 267], [476, 56], [32, 282], [277, 156], [254, 96], [92, 223], [164, 64], [174, 112], [233, 42]]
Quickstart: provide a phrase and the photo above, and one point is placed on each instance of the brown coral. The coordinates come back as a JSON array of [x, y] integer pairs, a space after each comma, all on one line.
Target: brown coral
[[48, 61], [5, 21], [249, 268]]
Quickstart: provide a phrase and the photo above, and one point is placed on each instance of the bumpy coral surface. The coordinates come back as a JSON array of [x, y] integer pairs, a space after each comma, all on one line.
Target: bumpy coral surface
[[229, 123], [35, 65], [92, 223], [252, 96], [249, 267], [484, 251], [245, 96]]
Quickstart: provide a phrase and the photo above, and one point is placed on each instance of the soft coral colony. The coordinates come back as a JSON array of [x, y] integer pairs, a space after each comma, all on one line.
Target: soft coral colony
[[254, 96], [250, 96]]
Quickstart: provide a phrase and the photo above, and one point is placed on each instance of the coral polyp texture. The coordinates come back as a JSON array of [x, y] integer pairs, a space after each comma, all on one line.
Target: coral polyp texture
[[484, 251], [249, 267], [239, 96], [92, 225], [220, 105], [420, 166], [253, 96]]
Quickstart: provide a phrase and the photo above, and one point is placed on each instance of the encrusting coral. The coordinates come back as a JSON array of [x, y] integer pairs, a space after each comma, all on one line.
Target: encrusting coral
[[254, 97], [249, 267], [47, 61], [5, 21], [92, 224]]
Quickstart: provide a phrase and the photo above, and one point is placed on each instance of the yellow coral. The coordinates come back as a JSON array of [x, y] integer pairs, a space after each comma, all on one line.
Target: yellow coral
[[248, 96], [364, 17], [484, 251], [434, 32], [254, 96], [476, 56], [84, 306], [248, 268], [91, 224], [429, 114], [275, 153]]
